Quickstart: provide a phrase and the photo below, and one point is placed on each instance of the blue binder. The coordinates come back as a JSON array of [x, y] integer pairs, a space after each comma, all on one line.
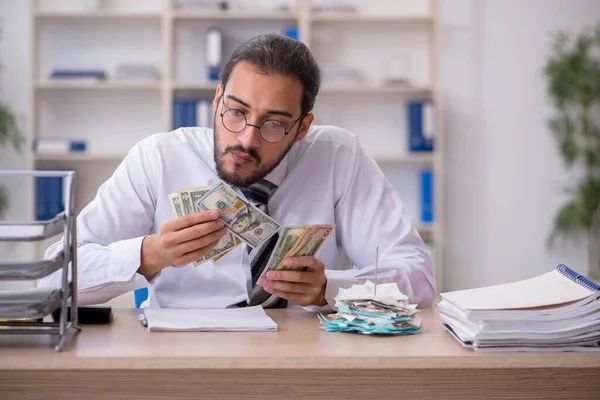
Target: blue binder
[[49, 199], [427, 196], [184, 113], [418, 141]]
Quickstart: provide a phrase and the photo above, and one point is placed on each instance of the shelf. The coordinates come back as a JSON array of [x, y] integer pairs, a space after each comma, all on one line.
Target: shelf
[[195, 86], [224, 15], [96, 15], [355, 17], [374, 88], [405, 158], [98, 85], [79, 157]]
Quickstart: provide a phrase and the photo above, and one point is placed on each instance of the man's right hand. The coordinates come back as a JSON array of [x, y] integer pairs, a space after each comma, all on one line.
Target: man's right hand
[[181, 241]]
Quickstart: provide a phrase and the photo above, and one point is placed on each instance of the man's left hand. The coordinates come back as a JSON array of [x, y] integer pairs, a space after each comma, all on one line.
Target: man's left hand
[[305, 288]]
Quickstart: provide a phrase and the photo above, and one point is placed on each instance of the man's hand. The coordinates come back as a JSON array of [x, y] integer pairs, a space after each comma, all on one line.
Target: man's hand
[[304, 288], [181, 241]]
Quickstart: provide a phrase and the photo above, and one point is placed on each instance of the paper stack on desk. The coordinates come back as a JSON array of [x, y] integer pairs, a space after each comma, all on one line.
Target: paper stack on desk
[[555, 311], [241, 319], [361, 310]]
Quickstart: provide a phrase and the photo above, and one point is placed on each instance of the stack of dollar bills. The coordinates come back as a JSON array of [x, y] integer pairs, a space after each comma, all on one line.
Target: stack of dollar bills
[[362, 310], [247, 224]]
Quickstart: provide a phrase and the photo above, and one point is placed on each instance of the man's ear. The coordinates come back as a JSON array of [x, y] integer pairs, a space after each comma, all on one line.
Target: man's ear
[[305, 126], [218, 94]]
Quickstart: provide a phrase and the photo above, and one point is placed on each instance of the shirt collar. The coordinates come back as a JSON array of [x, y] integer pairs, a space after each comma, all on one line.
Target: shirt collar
[[278, 174]]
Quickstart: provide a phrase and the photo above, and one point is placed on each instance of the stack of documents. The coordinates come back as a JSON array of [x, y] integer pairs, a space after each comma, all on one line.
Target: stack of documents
[[213, 319], [362, 310], [555, 311]]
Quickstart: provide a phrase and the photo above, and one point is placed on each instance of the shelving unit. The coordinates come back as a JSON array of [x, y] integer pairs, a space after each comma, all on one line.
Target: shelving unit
[[373, 40], [115, 85]]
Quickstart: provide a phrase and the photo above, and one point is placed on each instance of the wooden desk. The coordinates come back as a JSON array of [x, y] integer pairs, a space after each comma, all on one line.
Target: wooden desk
[[124, 361]]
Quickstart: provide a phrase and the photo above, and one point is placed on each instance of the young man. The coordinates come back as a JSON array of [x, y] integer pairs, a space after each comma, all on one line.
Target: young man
[[263, 145]]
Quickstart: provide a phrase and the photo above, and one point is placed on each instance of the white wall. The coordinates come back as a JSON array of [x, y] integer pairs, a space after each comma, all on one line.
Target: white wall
[[504, 176], [13, 91], [498, 205]]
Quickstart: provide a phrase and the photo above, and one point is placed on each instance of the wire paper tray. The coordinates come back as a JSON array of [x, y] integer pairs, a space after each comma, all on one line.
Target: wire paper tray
[[24, 270], [19, 307], [32, 231], [29, 303]]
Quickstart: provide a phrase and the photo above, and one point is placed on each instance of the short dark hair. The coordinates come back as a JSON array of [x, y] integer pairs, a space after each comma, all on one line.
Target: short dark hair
[[273, 53]]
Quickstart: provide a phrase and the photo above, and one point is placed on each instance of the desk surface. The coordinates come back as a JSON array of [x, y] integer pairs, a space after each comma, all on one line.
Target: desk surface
[[298, 344]]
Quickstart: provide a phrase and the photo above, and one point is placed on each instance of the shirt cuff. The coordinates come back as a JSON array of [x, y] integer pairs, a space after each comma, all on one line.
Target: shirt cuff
[[335, 280], [125, 259]]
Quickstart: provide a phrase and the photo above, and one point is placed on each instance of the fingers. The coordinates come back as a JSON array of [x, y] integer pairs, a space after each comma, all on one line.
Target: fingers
[[301, 287], [201, 242], [192, 256], [310, 262], [192, 219], [290, 287], [302, 300], [190, 249], [171, 239], [290, 276]]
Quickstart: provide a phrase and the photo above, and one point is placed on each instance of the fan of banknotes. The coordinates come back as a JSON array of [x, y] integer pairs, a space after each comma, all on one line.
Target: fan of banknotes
[[373, 309], [248, 224]]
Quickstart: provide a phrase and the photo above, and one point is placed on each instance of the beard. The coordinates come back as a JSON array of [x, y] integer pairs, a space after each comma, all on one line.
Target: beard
[[232, 177]]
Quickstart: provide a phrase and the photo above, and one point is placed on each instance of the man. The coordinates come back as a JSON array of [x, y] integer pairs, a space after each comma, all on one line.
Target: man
[[263, 145]]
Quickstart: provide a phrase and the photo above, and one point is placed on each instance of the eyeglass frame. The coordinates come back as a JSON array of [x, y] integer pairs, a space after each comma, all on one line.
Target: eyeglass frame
[[222, 113]]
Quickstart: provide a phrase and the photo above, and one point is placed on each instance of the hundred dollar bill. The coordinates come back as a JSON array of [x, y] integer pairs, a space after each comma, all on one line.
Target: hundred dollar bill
[[242, 218], [181, 204], [228, 242], [223, 199], [296, 242]]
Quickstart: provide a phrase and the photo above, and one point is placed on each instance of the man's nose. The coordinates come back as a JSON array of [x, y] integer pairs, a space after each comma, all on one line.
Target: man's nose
[[250, 136]]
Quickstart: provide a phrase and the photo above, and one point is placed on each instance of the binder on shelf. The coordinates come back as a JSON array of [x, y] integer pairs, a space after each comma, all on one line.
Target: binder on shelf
[[78, 74], [555, 311], [58, 146], [204, 114], [292, 32], [420, 126], [214, 53], [427, 196], [48, 197], [192, 112]]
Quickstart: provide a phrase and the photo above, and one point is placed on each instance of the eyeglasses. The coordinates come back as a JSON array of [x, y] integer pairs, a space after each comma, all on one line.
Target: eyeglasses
[[270, 130]]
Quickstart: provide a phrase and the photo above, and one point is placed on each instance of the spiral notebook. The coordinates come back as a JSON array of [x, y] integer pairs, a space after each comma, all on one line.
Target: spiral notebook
[[555, 311]]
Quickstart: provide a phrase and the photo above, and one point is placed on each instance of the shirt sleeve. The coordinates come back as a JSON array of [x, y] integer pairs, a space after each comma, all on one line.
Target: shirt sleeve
[[110, 231], [370, 213]]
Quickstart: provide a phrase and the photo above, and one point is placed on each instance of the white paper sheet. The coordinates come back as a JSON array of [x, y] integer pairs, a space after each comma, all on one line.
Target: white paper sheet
[[206, 320]]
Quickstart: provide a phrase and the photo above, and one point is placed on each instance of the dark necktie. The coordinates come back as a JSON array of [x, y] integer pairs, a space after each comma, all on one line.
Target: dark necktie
[[258, 194]]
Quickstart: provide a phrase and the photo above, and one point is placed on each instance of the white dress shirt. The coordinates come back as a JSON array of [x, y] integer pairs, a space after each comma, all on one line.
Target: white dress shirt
[[326, 178]]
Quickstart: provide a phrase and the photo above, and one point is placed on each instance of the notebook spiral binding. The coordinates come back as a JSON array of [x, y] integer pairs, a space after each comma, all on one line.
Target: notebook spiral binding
[[579, 279]]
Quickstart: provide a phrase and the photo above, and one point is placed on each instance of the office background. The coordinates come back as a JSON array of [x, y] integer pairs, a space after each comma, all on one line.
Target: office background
[[499, 172]]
